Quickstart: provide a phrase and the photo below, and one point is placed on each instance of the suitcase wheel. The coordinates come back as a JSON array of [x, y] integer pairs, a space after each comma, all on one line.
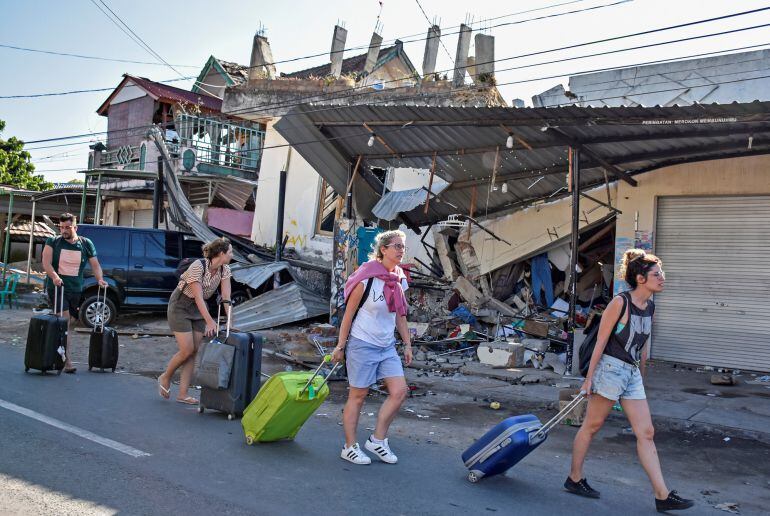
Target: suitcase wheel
[[473, 477], [89, 368], [102, 369], [249, 440], [230, 417], [200, 409], [26, 369], [113, 369]]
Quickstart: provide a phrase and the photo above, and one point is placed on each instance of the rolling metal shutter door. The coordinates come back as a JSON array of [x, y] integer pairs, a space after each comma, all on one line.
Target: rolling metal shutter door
[[135, 218], [714, 310]]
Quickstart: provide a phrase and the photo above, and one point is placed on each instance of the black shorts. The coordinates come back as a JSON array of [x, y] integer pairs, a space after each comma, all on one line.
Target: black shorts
[[71, 302]]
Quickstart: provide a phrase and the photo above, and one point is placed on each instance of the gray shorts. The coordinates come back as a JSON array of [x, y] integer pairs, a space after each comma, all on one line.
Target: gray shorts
[[183, 314], [366, 363], [615, 379]]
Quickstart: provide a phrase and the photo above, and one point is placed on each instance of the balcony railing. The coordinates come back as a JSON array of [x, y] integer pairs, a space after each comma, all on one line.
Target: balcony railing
[[221, 143]]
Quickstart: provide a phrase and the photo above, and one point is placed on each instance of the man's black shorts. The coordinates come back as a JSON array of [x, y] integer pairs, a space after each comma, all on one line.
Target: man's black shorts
[[71, 302]]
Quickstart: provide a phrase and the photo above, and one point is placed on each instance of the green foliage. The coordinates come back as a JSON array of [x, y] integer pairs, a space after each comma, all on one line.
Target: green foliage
[[16, 169]]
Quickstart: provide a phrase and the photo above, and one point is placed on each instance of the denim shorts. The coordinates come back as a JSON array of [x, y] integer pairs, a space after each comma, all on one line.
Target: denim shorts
[[615, 379], [366, 363]]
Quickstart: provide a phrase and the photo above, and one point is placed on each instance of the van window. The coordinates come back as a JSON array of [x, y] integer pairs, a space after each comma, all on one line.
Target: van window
[[108, 242], [192, 248], [154, 245]]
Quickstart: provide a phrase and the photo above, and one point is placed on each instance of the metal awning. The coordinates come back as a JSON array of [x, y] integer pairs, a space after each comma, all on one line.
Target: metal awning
[[471, 153]]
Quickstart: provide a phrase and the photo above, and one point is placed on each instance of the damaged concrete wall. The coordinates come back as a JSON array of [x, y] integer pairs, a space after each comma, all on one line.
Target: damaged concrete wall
[[533, 229], [302, 190], [737, 176]]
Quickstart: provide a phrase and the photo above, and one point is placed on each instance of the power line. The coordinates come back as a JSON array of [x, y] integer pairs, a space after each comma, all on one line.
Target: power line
[[95, 58], [381, 131], [321, 97], [574, 73], [520, 56], [297, 58], [428, 20], [74, 92]]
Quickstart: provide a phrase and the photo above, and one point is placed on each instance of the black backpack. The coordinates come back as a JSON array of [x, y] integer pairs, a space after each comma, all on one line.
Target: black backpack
[[185, 263], [588, 345]]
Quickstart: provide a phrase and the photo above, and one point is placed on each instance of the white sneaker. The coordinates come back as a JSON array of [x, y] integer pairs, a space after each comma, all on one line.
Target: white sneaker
[[382, 451], [355, 455]]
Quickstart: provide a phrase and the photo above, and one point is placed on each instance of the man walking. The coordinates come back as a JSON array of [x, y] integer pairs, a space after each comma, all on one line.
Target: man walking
[[64, 260]]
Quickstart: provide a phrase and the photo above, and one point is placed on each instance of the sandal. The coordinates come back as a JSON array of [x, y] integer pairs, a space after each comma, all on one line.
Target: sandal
[[189, 400], [166, 393]]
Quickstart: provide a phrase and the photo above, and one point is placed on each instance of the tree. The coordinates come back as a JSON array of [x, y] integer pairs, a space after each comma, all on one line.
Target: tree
[[16, 169]]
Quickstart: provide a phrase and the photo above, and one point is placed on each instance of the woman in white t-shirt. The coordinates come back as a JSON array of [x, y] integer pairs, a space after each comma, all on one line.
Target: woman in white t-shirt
[[376, 308]]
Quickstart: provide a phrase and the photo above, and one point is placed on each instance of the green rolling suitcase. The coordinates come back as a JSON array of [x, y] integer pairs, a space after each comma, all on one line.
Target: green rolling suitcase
[[283, 405]]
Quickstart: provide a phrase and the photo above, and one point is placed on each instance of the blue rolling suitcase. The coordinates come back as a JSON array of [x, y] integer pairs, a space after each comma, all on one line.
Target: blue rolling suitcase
[[508, 442]]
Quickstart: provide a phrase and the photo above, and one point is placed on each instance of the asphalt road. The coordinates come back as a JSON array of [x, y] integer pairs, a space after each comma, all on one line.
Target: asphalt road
[[162, 457]]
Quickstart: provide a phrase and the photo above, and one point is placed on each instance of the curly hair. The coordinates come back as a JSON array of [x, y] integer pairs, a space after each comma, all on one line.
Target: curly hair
[[382, 240], [637, 262], [215, 248]]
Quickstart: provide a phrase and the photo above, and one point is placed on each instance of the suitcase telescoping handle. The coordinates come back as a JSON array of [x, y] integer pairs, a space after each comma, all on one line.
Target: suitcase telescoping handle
[[555, 420], [58, 298], [103, 306], [326, 360], [229, 317]]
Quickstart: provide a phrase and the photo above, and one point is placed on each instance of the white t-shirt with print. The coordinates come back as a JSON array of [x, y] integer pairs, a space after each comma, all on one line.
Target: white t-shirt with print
[[374, 323]]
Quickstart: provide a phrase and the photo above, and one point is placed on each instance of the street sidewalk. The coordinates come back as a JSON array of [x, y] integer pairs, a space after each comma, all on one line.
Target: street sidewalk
[[680, 396]]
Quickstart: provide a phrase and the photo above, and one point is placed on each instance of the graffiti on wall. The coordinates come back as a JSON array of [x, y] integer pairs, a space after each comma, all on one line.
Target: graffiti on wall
[[295, 236], [343, 256]]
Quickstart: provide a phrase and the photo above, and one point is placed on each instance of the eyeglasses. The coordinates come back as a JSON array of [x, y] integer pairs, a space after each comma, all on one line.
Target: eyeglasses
[[400, 247], [659, 275]]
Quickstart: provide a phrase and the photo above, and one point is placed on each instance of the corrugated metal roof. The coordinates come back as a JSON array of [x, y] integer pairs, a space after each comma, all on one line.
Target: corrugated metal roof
[[468, 142], [399, 201], [286, 304], [234, 193], [255, 275]]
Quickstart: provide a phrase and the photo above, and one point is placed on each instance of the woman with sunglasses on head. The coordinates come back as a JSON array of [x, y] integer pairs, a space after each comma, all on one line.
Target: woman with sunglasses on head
[[615, 373], [371, 346]]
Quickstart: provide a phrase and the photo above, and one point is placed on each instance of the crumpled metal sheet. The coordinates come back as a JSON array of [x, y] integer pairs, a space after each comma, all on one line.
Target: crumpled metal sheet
[[402, 201], [180, 210], [255, 275], [286, 304]]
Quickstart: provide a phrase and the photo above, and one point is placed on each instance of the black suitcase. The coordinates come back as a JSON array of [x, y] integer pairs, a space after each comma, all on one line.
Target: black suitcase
[[245, 376], [47, 340], [103, 347]]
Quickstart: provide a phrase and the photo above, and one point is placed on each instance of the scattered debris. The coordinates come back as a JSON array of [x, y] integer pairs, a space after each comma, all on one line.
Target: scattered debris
[[723, 379], [726, 439], [728, 507], [495, 405]]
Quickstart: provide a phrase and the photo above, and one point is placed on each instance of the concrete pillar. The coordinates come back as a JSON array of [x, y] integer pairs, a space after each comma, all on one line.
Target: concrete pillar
[[472, 69], [485, 57], [431, 50], [374, 53], [461, 58], [338, 47], [261, 65]]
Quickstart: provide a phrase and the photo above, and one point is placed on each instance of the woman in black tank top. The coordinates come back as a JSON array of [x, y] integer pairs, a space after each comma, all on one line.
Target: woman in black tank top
[[615, 373]]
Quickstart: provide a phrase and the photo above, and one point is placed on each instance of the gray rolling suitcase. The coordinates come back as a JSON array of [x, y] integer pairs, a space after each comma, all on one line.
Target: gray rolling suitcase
[[245, 375]]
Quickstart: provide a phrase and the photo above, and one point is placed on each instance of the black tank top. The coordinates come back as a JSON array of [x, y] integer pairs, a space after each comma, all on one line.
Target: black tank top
[[627, 344]]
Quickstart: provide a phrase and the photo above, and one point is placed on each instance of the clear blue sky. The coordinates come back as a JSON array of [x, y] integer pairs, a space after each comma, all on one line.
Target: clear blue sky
[[192, 30]]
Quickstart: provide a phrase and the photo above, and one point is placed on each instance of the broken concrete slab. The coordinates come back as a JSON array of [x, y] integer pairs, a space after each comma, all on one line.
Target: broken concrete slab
[[501, 354], [468, 292]]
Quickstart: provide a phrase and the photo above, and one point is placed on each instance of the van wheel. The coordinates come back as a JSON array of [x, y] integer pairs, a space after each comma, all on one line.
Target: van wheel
[[91, 312], [239, 297]]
